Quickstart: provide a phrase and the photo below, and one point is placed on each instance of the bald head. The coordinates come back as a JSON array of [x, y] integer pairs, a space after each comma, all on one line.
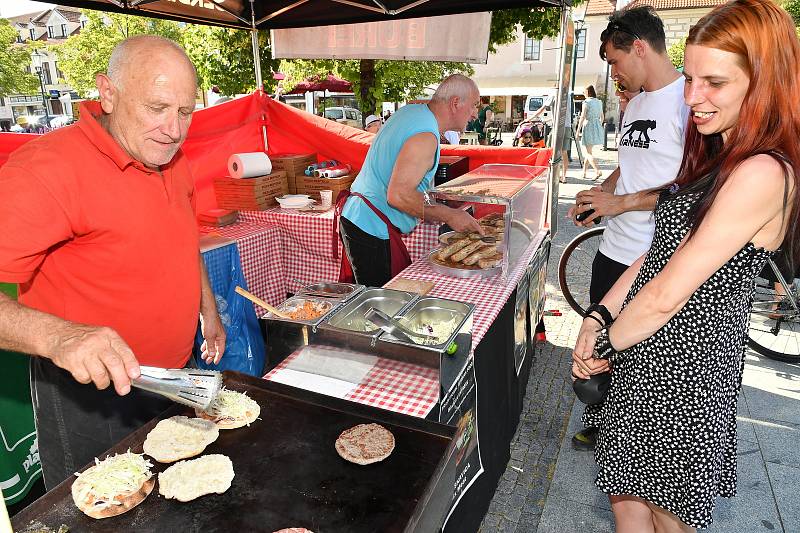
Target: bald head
[[455, 85], [455, 102], [145, 53], [148, 97]]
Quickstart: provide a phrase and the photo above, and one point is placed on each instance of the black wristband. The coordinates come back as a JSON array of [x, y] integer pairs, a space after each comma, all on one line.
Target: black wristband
[[603, 312], [596, 320], [603, 346]]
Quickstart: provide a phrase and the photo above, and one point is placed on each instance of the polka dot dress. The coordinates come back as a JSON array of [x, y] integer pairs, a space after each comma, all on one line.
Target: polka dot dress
[[668, 426]]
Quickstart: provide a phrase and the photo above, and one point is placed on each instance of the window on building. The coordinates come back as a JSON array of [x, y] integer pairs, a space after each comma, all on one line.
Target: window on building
[[50, 32], [46, 73], [64, 30], [533, 49], [580, 44], [33, 34], [2, 102], [59, 74], [19, 38], [83, 23]]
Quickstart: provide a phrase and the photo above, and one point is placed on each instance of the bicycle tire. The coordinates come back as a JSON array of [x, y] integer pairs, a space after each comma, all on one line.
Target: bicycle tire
[[783, 346], [575, 268]]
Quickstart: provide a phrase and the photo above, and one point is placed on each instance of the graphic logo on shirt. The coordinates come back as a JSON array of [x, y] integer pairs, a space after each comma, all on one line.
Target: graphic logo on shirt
[[641, 127]]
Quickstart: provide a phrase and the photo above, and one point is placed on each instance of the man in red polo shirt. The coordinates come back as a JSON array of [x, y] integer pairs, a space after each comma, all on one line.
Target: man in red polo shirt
[[99, 231]]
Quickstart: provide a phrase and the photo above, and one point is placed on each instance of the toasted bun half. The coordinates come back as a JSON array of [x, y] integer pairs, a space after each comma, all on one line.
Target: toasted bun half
[[111, 487], [188, 480], [365, 444], [179, 437], [231, 410]]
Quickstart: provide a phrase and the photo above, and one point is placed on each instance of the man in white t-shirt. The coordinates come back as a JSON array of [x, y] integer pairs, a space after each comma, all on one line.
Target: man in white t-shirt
[[650, 153]]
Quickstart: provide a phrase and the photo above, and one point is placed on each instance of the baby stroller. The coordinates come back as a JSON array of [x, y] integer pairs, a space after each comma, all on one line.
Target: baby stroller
[[493, 135], [537, 128]]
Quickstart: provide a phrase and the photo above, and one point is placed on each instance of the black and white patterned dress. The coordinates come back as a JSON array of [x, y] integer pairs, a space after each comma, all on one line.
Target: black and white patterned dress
[[668, 426]]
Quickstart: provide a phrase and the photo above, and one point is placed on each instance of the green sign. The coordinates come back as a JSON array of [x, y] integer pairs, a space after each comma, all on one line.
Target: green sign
[[19, 450]]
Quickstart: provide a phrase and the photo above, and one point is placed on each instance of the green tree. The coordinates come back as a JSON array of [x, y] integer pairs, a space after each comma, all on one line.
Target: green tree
[[224, 57], [83, 55], [793, 8], [676, 51], [14, 78]]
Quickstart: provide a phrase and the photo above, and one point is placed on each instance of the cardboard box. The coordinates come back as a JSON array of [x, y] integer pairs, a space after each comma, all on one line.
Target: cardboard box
[[312, 186], [250, 193], [294, 165]]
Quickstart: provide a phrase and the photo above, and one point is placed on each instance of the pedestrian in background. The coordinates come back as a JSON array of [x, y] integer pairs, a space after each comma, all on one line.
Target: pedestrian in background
[[590, 129]]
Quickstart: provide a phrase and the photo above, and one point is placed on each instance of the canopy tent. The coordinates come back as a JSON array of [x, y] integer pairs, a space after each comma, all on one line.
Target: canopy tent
[[328, 83], [275, 14]]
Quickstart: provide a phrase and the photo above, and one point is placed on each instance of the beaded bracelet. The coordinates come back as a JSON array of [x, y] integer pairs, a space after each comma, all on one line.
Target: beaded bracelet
[[603, 346]]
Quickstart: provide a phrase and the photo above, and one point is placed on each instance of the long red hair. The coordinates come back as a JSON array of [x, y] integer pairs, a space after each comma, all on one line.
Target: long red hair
[[763, 36]]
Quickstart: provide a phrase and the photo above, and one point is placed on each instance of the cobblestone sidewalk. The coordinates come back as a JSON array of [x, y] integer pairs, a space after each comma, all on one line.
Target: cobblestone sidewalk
[[520, 497]]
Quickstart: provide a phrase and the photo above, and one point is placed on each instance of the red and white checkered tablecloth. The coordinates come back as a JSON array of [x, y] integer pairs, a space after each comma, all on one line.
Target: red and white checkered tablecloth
[[307, 238], [261, 251], [400, 387], [489, 295], [392, 385]]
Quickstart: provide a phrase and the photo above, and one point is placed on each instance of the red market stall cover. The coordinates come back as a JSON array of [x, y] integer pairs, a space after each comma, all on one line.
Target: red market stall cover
[[236, 126]]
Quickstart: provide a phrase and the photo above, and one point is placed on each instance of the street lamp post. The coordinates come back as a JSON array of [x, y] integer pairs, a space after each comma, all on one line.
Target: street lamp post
[[38, 64], [579, 28]]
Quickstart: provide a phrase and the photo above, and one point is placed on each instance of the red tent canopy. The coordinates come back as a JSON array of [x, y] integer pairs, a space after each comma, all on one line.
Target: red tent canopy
[[328, 83], [236, 126]]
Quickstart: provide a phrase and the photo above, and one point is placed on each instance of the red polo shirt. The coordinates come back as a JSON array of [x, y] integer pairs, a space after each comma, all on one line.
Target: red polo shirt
[[95, 237]]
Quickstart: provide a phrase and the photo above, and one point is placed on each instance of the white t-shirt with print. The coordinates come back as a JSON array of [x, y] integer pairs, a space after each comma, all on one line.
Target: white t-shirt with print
[[650, 154]]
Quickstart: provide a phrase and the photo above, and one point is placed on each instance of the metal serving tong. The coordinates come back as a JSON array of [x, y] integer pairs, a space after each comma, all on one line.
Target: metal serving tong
[[189, 386], [393, 327]]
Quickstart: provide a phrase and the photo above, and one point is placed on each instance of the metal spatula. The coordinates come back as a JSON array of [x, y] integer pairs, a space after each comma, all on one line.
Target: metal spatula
[[189, 386], [393, 327]]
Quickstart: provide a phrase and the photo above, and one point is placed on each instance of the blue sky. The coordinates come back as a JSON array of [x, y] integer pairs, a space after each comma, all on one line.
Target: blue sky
[[12, 8]]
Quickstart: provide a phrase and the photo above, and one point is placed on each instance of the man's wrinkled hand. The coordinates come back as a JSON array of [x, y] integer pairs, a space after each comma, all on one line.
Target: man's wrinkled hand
[[464, 222], [213, 347], [95, 355]]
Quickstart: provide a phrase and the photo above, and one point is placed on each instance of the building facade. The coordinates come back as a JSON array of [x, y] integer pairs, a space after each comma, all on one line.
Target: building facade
[[51, 27], [530, 67]]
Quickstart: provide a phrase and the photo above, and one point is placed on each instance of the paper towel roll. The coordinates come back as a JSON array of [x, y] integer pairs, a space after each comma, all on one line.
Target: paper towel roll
[[249, 165]]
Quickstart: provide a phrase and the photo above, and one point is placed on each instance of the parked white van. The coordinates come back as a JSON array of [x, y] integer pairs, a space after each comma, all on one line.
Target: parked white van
[[345, 115], [535, 101]]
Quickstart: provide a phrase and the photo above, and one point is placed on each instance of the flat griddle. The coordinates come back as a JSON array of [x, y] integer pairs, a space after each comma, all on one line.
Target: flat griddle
[[288, 474]]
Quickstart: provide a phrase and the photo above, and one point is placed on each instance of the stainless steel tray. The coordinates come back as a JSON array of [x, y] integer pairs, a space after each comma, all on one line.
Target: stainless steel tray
[[296, 301], [430, 310], [350, 316], [454, 272], [331, 291]]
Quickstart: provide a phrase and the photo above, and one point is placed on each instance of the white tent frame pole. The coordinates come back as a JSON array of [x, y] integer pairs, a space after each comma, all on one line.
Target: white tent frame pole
[[257, 68]]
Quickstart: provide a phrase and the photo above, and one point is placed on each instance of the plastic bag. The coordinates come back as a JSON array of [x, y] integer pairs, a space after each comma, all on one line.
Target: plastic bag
[[244, 345]]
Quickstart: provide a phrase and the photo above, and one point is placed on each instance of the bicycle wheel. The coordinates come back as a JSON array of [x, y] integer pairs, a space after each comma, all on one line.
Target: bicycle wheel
[[575, 268], [774, 330]]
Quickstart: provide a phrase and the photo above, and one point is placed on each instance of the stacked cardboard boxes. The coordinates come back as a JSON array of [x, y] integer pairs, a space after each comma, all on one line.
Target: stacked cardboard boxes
[[252, 194], [312, 186], [294, 165]]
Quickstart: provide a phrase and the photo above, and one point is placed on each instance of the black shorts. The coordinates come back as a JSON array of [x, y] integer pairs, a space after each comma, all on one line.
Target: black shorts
[[605, 273]]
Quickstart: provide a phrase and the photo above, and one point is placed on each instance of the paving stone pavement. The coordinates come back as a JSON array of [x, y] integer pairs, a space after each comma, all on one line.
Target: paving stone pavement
[[521, 494]]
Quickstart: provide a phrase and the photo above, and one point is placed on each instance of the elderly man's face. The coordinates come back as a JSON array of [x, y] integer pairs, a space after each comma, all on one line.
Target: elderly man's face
[[374, 127], [152, 109]]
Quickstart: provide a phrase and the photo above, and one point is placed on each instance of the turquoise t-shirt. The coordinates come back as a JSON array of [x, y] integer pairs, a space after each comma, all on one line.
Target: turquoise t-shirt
[[373, 179]]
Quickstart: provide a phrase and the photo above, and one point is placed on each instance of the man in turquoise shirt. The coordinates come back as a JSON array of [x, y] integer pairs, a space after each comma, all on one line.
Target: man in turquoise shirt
[[397, 172]]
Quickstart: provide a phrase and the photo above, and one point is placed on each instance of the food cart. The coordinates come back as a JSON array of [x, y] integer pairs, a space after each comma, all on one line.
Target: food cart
[[458, 442]]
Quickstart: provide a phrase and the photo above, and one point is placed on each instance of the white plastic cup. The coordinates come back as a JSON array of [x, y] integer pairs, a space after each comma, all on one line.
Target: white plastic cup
[[326, 197]]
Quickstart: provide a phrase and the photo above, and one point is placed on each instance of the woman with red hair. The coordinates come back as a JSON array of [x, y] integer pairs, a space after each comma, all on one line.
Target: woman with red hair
[[673, 328]]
